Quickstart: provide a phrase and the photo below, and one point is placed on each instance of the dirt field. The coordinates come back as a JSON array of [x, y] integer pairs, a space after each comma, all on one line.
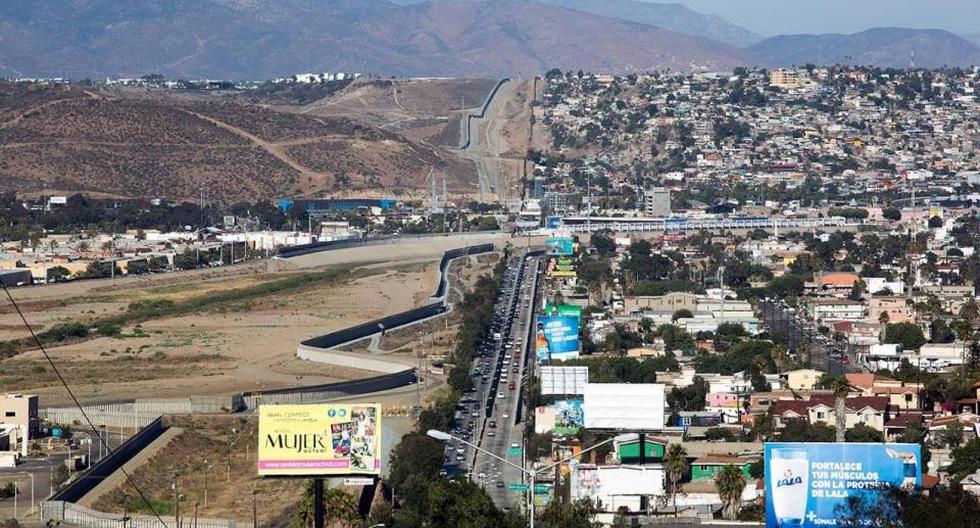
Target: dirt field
[[228, 445], [217, 352], [426, 110], [230, 347]]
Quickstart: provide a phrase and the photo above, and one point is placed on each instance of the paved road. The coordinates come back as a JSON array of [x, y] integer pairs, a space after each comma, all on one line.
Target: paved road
[[43, 469], [489, 415], [507, 440], [779, 318]]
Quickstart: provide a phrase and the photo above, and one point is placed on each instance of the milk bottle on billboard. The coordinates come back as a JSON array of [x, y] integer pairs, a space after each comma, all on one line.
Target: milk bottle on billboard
[[789, 483]]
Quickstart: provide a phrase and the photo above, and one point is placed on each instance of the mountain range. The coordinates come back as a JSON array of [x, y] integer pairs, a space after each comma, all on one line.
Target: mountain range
[[885, 47], [256, 39]]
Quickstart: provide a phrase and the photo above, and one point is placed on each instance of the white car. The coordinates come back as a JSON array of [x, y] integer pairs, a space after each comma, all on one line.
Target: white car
[[505, 415], [500, 395], [515, 445]]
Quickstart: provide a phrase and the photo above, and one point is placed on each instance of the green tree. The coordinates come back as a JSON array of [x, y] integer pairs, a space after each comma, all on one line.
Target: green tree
[[604, 246], [897, 508], [341, 508], [891, 213], [940, 332], [799, 430], [683, 313], [952, 435], [460, 503], [676, 465], [966, 459], [690, 398], [415, 454], [909, 335], [58, 274], [863, 433], [857, 290], [730, 483], [841, 389], [565, 514]]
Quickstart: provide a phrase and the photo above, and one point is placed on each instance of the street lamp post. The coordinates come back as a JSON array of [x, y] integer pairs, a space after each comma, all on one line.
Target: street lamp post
[[255, 510], [31, 475], [530, 473], [88, 440], [207, 469]]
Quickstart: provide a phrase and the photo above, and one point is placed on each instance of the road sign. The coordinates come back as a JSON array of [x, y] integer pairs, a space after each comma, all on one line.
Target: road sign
[[514, 451], [542, 488], [517, 487]]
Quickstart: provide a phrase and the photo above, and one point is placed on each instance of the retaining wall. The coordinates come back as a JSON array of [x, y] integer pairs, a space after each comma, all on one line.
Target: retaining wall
[[105, 467]]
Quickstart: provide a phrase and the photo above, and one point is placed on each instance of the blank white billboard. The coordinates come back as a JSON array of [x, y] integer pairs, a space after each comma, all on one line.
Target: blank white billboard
[[564, 380], [624, 406]]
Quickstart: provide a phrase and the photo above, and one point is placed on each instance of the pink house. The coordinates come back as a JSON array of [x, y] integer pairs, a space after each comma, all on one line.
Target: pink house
[[727, 400]]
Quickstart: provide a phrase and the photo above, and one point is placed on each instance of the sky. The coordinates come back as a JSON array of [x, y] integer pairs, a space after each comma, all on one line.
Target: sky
[[775, 17]]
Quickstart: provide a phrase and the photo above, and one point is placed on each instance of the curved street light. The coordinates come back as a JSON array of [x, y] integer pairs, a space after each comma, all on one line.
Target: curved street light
[[443, 436]]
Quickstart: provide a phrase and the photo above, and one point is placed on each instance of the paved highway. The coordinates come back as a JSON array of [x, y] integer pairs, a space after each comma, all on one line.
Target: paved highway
[[490, 415], [780, 318], [506, 440]]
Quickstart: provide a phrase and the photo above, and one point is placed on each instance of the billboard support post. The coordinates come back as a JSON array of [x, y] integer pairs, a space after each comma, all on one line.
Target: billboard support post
[[319, 509], [643, 449]]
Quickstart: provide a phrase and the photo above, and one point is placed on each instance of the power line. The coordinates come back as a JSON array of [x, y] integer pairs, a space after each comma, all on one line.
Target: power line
[[74, 399]]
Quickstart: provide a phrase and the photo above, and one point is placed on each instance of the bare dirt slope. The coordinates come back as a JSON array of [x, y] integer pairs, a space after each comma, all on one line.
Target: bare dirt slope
[[423, 109], [500, 141], [62, 139]]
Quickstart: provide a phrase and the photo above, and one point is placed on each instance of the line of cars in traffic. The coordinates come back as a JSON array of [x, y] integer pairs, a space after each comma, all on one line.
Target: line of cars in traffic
[[496, 371]]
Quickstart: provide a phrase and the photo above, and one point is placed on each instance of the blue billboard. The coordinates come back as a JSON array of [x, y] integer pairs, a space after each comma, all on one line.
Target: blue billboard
[[807, 485], [560, 246], [557, 338], [553, 222]]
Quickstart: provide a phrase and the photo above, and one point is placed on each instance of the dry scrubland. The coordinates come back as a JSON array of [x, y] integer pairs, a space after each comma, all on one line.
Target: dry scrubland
[[69, 139], [221, 348]]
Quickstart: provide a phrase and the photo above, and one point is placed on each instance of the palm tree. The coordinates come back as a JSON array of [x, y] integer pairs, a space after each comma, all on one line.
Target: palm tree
[[841, 388], [970, 311], [730, 482], [675, 462]]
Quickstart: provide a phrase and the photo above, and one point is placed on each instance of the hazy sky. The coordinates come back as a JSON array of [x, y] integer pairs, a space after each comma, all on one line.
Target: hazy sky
[[773, 17]]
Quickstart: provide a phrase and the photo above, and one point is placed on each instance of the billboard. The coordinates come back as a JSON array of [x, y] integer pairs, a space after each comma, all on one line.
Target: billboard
[[564, 380], [807, 485], [557, 338], [544, 419], [553, 222], [563, 309], [560, 245], [319, 439], [624, 406], [569, 417]]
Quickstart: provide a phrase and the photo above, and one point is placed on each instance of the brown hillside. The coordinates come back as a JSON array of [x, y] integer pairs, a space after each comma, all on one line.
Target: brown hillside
[[74, 140]]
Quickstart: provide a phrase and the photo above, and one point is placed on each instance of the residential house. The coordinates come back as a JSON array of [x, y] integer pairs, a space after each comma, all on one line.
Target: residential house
[[901, 395], [834, 309], [670, 302], [802, 379], [871, 411], [889, 310], [836, 284], [707, 466]]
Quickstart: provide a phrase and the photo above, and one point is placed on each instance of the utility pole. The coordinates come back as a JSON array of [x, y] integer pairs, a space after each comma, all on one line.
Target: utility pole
[[206, 471], [176, 490], [255, 515]]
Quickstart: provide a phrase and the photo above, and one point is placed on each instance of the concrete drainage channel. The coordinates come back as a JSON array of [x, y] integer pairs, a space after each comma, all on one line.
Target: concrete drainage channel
[[323, 349]]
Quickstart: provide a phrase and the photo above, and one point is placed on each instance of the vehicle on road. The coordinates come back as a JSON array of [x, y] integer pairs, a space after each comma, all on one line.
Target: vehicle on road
[[500, 395]]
